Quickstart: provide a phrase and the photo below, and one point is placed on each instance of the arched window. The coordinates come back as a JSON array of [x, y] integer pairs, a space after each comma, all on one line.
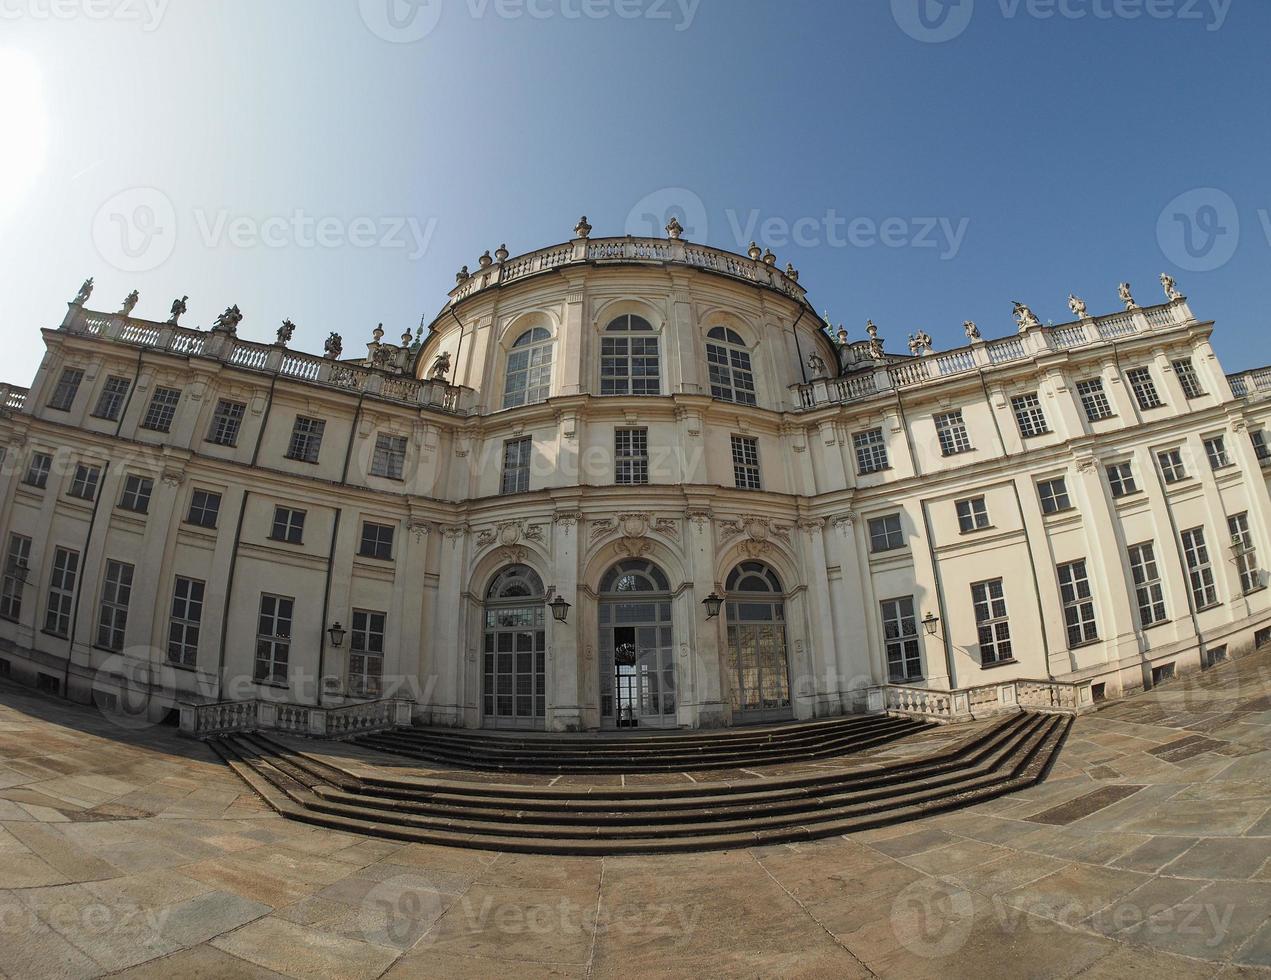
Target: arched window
[[634, 576], [732, 377], [514, 660], [529, 377], [629, 361], [757, 668]]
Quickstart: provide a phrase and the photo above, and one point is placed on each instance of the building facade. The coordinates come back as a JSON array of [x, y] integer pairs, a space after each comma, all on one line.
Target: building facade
[[628, 483]]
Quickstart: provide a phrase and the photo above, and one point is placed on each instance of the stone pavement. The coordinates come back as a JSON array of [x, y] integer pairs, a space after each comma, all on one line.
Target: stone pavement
[[135, 853]]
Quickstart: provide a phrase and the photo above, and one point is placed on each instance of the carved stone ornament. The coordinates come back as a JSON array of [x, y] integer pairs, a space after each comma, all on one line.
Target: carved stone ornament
[[845, 521], [758, 531], [420, 528]]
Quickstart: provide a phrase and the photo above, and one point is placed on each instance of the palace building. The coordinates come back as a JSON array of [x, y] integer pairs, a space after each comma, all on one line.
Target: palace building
[[623, 483]]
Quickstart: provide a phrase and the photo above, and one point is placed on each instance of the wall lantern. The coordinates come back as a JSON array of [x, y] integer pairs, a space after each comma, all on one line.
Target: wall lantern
[[713, 603], [1239, 547], [560, 608], [931, 623], [336, 633], [19, 570]]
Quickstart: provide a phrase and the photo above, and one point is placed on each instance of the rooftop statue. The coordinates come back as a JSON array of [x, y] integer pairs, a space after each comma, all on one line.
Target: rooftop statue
[[1078, 306], [285, 333], [582, 229], [920, 343], [1171, 287], [178, 310], [1127, 296], [334, 347], [972, 331], [130, 303], [440, 367], [1025, 317], [674, 229], [228, 322], [817, 365], [85, 291]]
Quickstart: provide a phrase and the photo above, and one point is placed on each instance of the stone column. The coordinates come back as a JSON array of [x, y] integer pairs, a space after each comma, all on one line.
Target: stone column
[[848, 610], [819, 662], [571, 351], [450, 640], [1107, 564], [705, 664], [564, 703]]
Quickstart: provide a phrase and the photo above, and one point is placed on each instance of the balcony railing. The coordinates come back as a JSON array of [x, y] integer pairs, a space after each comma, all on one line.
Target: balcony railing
[[1035, 342], [1247, 383]]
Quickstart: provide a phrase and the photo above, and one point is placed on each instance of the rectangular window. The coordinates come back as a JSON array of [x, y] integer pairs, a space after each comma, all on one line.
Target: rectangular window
[[1261, 448], [205, 509], [1094, 399], [1029, 415], [227, 422], [289, 525], [306, 439], [1078, 601], [1053, 495], [992, 626], [366, 654], [973, 515], [273, 638], [186, 623], [746, 463], [1245, 553], [1200, 573], [1216, 450], [57, 617], [951, 431], [162, 410], [631, 456], [1172, 468], [871, 451], [900, 636], [37, 474], [84, 484], [516, 465], [66, 390], [377, 541], [1148, 591], [137, 493], [111, 401], [1144, 388], [1121, 479], [389, 458], [886, 533], [112, 617], [17, 564], [1187, 377]]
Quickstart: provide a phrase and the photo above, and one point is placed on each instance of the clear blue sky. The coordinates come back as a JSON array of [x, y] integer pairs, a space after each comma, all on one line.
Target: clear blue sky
[[1051, 147]]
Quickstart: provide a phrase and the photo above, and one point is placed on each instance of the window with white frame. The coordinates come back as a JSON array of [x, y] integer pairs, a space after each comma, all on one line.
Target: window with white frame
[[273, 638], [728, 362], [952, 433], [66, 390], [1029, 415], [377, 541], [1216, 451], [288, 525], [306, 439], [1144, 388], [1078, 603], [186, 622], [529, 371], [630, 362], [1121, 479], [112, 616], [631, 456], [1186, 372], [993, 628], [900, 638], [111, 400], [205, 509], [227, 422], [973, 514], [1094, 399], [84, 483], [871, 451], [366, 653], [1261, 446], [1246, 555], [1053, 495], [516, 465], [57, 612], [746, 463], [37, 474], [1200, 573], [1148, 591], [886, 533], [17, 565], [137, 492], [162, 409], [389, 458], [1171, 463]]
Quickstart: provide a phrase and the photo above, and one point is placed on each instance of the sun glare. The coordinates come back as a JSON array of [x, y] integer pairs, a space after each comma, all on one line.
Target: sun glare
[[25, 123]]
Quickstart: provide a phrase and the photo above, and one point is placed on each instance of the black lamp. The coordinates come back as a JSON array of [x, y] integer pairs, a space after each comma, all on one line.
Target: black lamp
[[20, 570], [560, 608], [336, 633], [932, 623], [713, 604]]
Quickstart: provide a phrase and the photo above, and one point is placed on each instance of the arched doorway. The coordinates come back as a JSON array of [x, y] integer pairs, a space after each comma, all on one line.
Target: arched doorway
[[758, 671], [514, 662], [637, 659]]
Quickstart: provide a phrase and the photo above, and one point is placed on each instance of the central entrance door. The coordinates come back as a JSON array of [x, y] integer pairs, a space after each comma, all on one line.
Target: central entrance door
[[758, 668], [637, 659], [514, 660]]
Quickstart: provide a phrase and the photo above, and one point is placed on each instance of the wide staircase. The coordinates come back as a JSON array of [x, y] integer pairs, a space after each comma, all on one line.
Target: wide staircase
[[1001, 757], [643, 753]]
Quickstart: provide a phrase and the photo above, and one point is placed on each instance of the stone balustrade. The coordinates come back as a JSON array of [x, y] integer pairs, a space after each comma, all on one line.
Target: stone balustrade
[[344, 721], [1248, 384], [974, 703], [271, 359], [13, 398]]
